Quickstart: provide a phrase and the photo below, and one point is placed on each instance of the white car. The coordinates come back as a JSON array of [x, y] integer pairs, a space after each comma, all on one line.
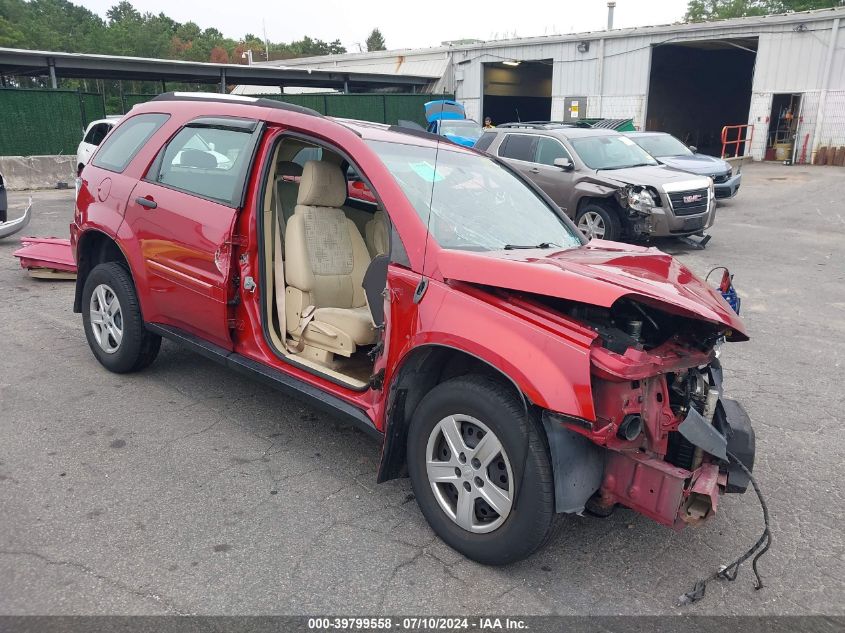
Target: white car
[[94, 135]]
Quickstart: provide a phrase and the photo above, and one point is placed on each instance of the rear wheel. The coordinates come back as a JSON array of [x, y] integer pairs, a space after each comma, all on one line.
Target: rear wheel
[[596, 221], [480, 470], [112, 320]]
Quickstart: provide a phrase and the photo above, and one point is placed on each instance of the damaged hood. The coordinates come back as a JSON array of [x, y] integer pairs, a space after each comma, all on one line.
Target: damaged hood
[[598, 273], [657, 176]]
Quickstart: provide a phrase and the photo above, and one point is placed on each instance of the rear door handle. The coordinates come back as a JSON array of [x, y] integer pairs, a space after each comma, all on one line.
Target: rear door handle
[[148, 203]]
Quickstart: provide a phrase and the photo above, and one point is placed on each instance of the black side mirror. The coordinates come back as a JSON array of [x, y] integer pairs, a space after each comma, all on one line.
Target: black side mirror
[[564, 163]]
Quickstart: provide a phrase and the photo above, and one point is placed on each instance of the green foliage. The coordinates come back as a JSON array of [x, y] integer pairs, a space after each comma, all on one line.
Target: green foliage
[[60, 25], [703, 10], [375, 42]]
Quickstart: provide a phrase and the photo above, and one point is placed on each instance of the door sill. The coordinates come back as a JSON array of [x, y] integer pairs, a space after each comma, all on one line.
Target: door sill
[[269, 376]]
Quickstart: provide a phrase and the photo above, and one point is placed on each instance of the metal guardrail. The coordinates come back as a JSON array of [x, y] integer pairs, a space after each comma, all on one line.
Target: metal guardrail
[[744, 136]]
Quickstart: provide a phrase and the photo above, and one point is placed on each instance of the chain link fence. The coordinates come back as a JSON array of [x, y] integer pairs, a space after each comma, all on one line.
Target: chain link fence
[[36, 122], [378, 108]]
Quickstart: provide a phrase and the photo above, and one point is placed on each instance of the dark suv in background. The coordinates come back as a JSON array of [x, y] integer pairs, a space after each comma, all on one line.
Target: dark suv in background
[[608, 184]]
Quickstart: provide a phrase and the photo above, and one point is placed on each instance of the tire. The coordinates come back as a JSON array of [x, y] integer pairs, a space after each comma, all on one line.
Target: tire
[[481, 403], [135, 348], [600, 215]]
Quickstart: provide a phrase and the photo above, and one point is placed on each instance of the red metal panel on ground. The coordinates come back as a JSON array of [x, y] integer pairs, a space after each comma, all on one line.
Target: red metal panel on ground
[[46, 252]]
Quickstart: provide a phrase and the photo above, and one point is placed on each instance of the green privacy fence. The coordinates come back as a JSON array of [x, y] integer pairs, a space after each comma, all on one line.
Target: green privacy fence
[[380, 108], [37, 121]]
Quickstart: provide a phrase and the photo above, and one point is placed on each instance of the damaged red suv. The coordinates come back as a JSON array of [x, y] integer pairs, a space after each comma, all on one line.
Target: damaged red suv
[[425, 292]]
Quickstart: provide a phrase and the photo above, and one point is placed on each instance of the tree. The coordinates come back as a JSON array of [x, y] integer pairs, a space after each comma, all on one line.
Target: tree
[[375, 42], [219, 55], [703, 10]]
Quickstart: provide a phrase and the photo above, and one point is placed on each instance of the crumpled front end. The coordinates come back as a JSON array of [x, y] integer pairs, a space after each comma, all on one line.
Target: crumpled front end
[[668, 434], [667, 430]]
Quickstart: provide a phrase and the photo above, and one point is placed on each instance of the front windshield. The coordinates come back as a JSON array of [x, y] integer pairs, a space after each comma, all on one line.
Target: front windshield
[[610, 152], [465, 129], [662, 145], [476, 204]]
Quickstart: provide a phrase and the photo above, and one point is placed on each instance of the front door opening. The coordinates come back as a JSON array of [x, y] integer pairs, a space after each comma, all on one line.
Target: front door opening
[[518, 91], [697, 88]]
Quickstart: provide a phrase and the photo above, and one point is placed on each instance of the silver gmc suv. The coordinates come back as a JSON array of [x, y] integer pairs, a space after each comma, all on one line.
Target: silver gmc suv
[[608, 184]]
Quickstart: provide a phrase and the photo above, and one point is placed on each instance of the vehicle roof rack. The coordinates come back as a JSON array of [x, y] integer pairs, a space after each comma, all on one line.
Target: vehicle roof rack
[[213, 97], [536, 125]]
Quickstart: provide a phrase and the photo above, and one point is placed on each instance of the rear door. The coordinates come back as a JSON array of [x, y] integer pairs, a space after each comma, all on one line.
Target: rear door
[[183, 216], [519, 150]]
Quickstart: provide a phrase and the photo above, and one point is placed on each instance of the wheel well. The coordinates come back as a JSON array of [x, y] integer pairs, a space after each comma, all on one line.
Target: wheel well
[[94, 248], [608, 203], [421, 371]]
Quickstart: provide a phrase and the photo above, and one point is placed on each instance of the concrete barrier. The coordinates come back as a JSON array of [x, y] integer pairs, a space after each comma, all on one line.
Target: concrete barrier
[[37, 172]]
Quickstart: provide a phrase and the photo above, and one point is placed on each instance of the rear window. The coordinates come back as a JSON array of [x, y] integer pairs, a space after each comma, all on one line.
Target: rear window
[[519, 147], [485, 141], [122, 146]]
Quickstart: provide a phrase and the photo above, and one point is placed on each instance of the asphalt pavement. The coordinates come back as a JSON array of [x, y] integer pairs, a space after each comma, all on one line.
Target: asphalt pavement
[[189, 489]]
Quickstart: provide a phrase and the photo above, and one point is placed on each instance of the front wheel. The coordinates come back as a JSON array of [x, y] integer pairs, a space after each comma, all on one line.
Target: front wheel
[[112, 320], [480, 470], [598, 222]]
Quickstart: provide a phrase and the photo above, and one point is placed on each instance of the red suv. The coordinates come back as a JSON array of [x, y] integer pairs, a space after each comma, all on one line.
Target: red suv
[[424, 291]]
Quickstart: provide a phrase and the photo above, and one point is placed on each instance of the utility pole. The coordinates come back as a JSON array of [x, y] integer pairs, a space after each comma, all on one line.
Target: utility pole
[[266, 41]]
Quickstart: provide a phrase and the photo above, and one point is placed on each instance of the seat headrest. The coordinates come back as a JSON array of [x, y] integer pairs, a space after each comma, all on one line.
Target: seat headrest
[[323, 185], [288, 168], [197, 158]]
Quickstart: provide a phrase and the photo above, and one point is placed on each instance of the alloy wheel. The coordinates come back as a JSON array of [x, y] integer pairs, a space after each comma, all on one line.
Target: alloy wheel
[[469, 473], [106, 318], [591, 224]]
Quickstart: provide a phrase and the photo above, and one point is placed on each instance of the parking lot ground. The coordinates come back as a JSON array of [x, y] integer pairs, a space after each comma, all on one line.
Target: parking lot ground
[[190, 489]]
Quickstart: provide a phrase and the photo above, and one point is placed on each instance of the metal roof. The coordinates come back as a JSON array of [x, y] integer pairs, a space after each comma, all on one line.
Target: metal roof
[[423, 62], [79, 65]]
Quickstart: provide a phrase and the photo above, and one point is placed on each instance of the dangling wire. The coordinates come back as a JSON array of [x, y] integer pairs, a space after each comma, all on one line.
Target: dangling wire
[[729, 572]]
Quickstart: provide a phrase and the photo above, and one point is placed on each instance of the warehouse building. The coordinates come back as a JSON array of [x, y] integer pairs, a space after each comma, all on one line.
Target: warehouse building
[[783, 74]]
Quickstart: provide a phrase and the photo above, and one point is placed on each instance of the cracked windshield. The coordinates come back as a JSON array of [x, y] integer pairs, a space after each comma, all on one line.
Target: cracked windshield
[[475, 203]]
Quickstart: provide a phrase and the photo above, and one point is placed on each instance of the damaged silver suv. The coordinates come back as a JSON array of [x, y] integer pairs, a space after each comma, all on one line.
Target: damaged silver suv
[[608, 184]]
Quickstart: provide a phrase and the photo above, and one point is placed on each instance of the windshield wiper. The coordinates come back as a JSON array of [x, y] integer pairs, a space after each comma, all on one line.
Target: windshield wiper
[[513, 247], [626, 166]]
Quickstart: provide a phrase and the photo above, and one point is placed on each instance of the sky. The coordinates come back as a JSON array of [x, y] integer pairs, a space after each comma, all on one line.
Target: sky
[[414, 25]]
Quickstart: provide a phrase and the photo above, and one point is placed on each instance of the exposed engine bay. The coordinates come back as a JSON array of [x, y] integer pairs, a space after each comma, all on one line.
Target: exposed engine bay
[[633, 324]]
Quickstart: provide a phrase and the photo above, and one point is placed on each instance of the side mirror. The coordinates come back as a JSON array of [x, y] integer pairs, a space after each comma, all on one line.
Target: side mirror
[[693, 149], [564, 163]]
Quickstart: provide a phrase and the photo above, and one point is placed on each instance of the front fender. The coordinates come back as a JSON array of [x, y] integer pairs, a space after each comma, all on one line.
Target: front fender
[[548, 359]]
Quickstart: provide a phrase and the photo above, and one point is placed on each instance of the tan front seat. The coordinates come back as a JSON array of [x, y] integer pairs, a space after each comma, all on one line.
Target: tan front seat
[[377, 234], [325, 262]]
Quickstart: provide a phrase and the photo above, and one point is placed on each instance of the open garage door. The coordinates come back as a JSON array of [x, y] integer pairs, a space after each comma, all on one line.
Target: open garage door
[[697, 88], [518, 91]]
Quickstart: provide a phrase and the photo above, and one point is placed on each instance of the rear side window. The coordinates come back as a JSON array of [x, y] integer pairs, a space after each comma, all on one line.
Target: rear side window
[[97, 133], [127, 140], [485, 141], [519, 147], [549, 149], [210, 162]]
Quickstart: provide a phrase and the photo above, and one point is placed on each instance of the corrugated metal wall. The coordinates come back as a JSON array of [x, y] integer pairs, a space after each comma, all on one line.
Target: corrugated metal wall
[[790, 58]]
